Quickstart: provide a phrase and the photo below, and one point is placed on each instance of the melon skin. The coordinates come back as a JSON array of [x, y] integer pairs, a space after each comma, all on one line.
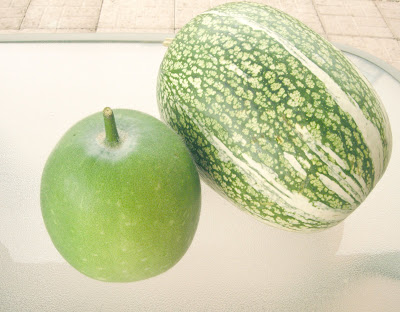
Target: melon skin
[[277, 119]]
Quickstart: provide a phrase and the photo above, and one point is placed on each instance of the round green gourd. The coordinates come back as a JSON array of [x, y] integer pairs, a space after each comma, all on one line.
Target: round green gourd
[[277, 119], [121, 198]]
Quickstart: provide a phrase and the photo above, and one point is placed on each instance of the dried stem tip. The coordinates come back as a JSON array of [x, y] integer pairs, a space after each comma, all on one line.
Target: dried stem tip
[[112, 137]]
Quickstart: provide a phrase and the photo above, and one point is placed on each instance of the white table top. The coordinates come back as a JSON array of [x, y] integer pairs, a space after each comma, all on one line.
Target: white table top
[[235, 262]]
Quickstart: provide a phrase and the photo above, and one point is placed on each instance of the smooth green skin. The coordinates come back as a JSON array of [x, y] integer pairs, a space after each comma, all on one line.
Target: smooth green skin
[[125, 213]]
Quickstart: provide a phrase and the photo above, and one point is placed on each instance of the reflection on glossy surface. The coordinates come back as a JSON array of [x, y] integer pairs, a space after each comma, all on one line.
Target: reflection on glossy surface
[[266, 268], [235, 263]]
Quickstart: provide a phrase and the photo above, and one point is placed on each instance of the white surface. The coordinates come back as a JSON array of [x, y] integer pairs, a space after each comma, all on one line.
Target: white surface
[[235, 263]]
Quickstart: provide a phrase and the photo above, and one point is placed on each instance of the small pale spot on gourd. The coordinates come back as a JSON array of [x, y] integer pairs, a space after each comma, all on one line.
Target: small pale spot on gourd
[[144, 259], [171, 222]]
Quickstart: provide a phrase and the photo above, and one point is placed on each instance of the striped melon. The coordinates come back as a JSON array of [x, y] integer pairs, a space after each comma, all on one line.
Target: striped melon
[[277, 119]]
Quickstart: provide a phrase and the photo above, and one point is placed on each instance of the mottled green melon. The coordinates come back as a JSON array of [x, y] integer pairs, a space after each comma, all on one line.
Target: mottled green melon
[[277, 119]]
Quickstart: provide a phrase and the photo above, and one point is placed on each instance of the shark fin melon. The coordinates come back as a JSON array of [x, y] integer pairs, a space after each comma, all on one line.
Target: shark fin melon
[[277, 119]]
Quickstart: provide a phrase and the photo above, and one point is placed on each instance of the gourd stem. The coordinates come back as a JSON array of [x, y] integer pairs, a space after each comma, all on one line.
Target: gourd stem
[[112, 137]]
